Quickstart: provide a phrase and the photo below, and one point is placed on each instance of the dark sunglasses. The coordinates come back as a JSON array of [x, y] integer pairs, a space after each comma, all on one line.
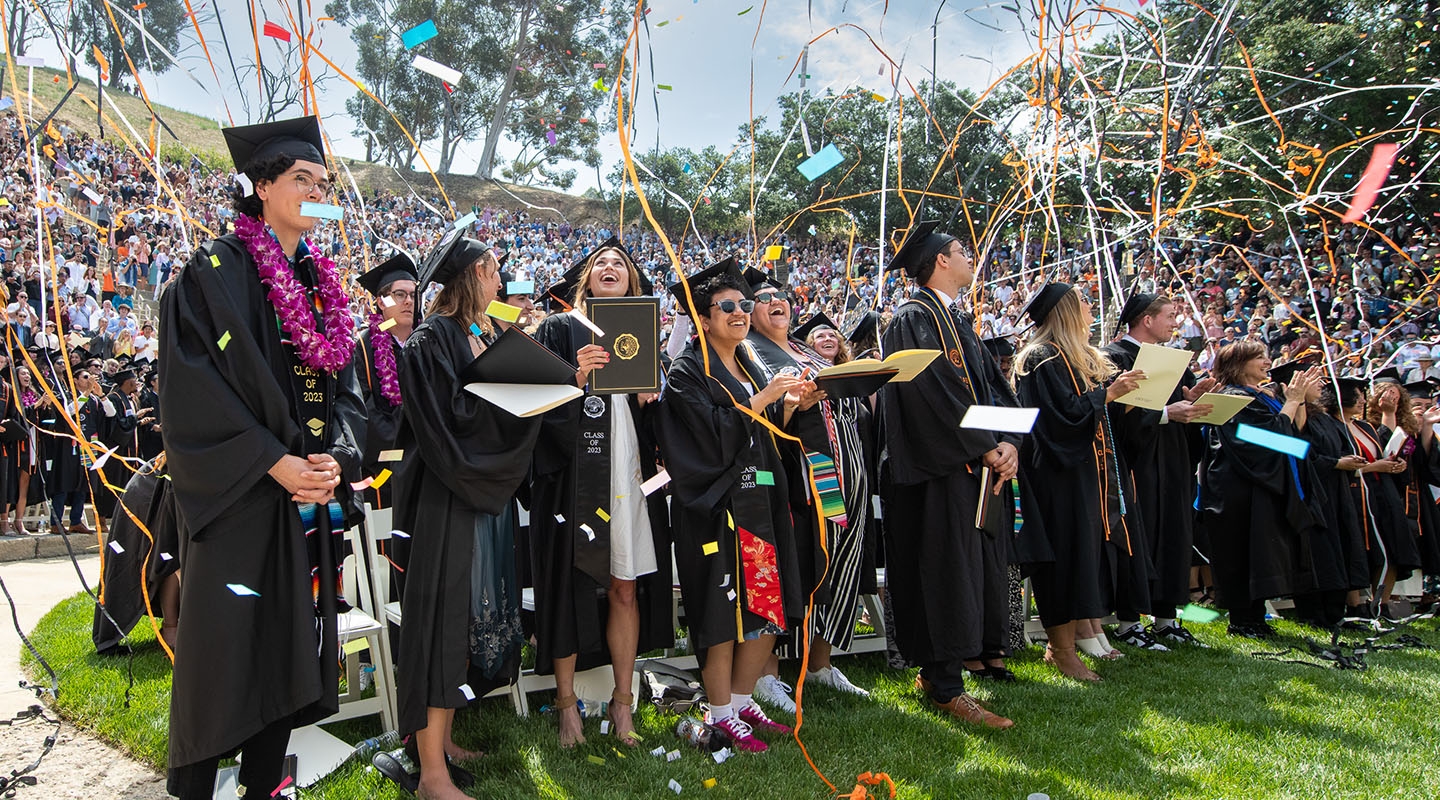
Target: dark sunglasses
[[771, 297], [729, 306]]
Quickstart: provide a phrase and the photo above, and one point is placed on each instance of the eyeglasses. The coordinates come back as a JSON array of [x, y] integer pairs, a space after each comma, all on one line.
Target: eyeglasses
[[771, 297], [307, 184], [400, 295], [729, 306]]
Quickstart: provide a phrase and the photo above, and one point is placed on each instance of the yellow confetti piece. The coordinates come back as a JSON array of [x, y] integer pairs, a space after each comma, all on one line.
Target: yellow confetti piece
[[356, 645], [391, 455], [503, 311], [709, 783], [600, 512], [387, 324], [214, 260], [710, 548], [380, 479], [224, 340], [877, 97], [729, 520], [773, 252], [595, 760]]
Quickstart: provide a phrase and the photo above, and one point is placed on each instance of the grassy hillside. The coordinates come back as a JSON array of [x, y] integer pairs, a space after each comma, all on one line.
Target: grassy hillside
[[201, 135]]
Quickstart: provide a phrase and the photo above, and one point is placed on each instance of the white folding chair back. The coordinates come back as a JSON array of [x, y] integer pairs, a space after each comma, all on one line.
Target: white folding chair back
[[360, 624]]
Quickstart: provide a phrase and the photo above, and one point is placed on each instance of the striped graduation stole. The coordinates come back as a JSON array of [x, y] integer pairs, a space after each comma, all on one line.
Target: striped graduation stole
[[827, 482]]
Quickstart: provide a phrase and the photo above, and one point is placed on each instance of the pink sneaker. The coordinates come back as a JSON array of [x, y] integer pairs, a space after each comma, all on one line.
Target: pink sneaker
[[741, 734], [757, 719]]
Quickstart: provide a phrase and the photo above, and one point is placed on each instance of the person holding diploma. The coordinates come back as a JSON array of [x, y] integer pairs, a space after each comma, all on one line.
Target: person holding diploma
[[592, 529], [734, 546], [261, 410], [1252, 499], [947, 575], [1075, 492], [1162, 451], [454, 496], [832, 446]]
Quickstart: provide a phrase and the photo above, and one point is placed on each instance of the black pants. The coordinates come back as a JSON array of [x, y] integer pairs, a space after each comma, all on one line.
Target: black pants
[[947, 679], [1251, 612], [262, 766]]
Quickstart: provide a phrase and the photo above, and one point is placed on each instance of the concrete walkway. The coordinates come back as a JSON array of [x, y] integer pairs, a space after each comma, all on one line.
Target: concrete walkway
[[80, 766]]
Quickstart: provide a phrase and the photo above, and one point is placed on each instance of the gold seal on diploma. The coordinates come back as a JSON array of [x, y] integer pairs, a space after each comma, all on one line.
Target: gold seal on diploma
[[627, 346]]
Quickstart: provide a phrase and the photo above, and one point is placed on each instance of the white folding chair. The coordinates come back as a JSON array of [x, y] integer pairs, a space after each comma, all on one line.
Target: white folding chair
[[359, 623]]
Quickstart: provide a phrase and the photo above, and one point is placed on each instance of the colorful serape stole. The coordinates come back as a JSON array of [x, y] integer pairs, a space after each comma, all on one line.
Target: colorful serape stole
[[310, 522], [827, 482]]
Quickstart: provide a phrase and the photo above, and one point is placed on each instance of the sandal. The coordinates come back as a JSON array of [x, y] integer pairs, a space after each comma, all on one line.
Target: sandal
[[629, 738], [563, 704]]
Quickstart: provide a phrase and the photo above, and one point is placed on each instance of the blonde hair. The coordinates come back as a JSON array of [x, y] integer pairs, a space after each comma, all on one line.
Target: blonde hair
[[582, 291], [1065, 330], [462, 299]]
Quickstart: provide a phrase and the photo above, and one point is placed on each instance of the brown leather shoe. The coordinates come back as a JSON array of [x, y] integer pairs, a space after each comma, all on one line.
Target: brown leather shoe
[[969, 709], [923, 685], [80, 528]]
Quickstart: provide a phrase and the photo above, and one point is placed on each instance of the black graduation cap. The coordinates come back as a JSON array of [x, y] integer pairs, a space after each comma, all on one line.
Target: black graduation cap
[[815, 323], [999, 346], [729, 266], [921, 244], [454, 252], [299, 138], [865, 327], [562, 292], [121, 376], [1349, 383], [1044, 300], [565, 288], [398, 267], [1387, 375], [755, 278], [1284, 373], [1135, 306], [1421, 388]]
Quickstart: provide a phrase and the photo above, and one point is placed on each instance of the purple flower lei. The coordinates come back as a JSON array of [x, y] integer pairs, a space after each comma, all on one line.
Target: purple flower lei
[[382, 345], [289, 299]]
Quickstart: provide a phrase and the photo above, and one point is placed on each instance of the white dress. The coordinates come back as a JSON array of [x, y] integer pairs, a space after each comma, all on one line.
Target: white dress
[[632, 547]]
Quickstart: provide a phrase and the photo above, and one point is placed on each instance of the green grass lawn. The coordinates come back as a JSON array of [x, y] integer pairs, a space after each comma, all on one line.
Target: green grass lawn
[[1208, 724]]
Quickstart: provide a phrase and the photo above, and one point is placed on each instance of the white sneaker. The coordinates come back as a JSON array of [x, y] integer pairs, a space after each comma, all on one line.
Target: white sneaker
[[775, 693], [832, 676]]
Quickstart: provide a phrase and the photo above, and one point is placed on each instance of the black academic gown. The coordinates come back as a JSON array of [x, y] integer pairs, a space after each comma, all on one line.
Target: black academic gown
[[145, 559], [463, 458], [1252, 505], [148, 438], [119, 424], [1395, 543], [947, 578], [1416, 505], [571, 573], [61, 455], [382, 418], [245, 661], [1338, 545], [733, 538], [1162, 464], [1080, 531]]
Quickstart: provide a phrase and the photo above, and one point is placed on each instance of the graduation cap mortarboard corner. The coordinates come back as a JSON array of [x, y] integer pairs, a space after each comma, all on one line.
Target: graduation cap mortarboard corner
[[396, 268], [866, 326], [921, 244], [121, 376], [1420, 388], [1349, 383], [454, 252], [1135, 307], [727, 267], [756, 278], [817, 322], [1044, 301], [1387, 375], [999, 346], [1284, 373], [298, 138]]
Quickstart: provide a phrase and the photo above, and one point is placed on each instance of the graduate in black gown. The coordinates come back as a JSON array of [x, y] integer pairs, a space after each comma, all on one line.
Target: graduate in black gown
[[1337, 546], [593, 455], [1081, 526], [734, 545], [1157, 446], [1424, 476], [1253, 498], [67, 479], [1393, 415], [261, 408], [455, 498], [148, 431], [947, 577], [377, 353], [119, 427]]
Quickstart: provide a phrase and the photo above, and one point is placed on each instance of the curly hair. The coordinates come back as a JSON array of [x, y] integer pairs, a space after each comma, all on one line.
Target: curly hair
[[264, 170]]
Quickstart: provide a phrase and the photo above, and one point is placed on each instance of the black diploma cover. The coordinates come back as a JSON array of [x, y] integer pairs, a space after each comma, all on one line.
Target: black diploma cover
[[632, 338]]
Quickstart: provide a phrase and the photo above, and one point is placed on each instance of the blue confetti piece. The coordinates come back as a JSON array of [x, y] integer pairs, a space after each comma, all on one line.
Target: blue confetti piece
[[822, 162], [520, 287], [468, 219], [242, 590], [321, 210], [1270, 440], [419, 34], [475, 329], [6, 103]]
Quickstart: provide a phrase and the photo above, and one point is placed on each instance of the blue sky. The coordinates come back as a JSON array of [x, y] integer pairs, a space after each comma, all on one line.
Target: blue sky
[[705, 52]]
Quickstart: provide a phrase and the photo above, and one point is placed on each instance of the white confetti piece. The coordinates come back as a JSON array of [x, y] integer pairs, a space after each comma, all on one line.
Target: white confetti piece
[[675, 786], [116, 547], [660, 479], [604, 726], [721, 754], [244, 181], [560, 518], [659, 751], [730, 594], [444, 73], [242, 590], [725, 582], [467, 691], [400, 534], [673, 755], [166, 556], [589, 532]]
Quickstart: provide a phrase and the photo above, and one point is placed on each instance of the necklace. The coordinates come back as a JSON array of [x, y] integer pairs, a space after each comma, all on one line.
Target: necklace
[[383, 345], [289, 299]]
